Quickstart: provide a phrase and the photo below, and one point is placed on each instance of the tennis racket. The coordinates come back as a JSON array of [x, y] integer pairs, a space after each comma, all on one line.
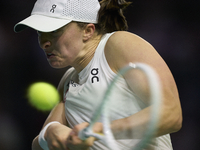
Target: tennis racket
[[103, 112]]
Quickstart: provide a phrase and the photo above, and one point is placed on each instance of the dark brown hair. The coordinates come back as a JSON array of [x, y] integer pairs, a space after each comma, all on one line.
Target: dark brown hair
[[110, 17]]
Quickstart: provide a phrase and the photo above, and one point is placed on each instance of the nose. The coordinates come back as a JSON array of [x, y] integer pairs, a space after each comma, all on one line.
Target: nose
[[45, 45], [44, 40]]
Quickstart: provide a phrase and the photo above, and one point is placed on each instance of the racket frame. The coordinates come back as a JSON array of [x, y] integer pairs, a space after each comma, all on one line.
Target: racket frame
[[155, 99]]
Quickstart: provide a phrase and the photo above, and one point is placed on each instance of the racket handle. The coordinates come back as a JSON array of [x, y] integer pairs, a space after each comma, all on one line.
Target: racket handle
[[84, 134]]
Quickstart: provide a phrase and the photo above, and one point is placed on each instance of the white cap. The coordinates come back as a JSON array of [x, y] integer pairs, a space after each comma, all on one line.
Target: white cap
[[50, 15]]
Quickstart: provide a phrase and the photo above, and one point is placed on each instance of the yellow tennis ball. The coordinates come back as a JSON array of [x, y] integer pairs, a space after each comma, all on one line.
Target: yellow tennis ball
[[43, 96]]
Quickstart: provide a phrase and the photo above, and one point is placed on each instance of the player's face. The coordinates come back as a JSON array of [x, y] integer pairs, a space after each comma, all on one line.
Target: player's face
[[62, 46]]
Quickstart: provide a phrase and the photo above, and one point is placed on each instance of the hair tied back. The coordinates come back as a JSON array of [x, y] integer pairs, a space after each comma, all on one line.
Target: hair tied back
[[110, 17]]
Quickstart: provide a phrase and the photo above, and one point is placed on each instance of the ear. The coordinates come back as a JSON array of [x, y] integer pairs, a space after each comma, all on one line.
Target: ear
[[88, 32]]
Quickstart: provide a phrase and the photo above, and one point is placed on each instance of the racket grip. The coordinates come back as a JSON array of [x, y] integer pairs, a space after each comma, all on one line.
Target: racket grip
[[84, 134]]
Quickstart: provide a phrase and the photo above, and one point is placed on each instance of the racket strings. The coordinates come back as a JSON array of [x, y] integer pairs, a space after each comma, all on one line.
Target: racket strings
[[105, 113]]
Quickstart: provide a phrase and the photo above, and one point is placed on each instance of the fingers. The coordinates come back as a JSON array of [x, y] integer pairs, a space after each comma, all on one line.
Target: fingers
[[81, 126], [56, 137], [57, 145], [73, 142], [90, 141], [98, 127]]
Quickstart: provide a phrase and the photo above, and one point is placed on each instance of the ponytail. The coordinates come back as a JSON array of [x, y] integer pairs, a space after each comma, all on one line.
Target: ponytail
[[110, 16]]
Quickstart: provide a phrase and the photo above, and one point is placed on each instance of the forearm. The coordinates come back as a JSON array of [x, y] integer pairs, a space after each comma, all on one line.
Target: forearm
[[136, 125], [52, 133], [57, 114], [35, 144]]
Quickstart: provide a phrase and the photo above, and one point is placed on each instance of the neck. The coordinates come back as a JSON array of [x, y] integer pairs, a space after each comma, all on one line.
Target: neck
[[86, 54]]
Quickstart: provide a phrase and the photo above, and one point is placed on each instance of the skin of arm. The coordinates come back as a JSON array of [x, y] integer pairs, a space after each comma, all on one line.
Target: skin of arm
[[55, 130], [56, 138], [124, 47], [57, 135], [57, 114]]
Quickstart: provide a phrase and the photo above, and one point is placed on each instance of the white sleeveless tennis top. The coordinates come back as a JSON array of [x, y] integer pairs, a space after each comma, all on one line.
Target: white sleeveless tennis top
[[83, 97]]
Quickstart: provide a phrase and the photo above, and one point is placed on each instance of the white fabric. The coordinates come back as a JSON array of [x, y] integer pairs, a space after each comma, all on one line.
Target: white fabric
[[50, 15], [83, 97], [41, 140]]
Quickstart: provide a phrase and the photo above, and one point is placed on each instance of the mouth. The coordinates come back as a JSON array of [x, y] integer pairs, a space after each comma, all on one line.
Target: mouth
[[50, 55]]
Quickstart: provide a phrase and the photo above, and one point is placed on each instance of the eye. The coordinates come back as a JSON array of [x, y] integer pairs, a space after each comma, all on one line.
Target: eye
[[56, 33]]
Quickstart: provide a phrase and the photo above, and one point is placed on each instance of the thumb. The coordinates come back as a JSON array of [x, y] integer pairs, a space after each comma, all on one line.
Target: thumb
[[90, 141]]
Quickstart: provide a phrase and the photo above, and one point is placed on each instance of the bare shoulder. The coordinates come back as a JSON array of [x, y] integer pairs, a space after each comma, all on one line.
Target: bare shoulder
[[124, 35], [124, 47], [122, 38]]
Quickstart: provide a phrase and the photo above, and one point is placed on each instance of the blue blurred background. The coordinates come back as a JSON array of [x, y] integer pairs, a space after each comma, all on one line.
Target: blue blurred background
[[172, 27]]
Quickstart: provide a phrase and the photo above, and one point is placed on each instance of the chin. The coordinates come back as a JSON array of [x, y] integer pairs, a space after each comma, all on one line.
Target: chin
[[56, 65]]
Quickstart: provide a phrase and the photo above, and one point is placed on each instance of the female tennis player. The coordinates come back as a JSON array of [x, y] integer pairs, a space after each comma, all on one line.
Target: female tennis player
[[91, 37]]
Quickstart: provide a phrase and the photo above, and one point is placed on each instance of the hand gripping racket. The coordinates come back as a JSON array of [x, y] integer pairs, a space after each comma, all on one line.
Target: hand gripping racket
[[102, 111]]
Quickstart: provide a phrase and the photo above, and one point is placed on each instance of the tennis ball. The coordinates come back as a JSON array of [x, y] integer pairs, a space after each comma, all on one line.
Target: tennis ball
[[43, 96]]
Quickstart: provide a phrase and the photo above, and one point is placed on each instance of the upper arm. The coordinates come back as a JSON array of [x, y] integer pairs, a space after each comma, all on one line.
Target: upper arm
[[58, 112], [66, 78], [124, 47]]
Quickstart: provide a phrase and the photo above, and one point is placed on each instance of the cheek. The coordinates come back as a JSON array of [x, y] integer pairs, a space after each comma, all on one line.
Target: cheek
[[70, 45]]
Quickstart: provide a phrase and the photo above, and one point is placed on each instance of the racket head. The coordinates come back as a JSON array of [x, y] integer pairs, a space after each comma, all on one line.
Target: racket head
[[104, 112]]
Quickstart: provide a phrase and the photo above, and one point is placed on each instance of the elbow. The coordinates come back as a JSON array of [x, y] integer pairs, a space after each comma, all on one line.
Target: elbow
[[171, 120], [176, 121], [35, 144]]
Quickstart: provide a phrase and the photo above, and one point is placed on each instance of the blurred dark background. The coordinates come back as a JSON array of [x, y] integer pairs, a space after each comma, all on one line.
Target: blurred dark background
[[172, 27]]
